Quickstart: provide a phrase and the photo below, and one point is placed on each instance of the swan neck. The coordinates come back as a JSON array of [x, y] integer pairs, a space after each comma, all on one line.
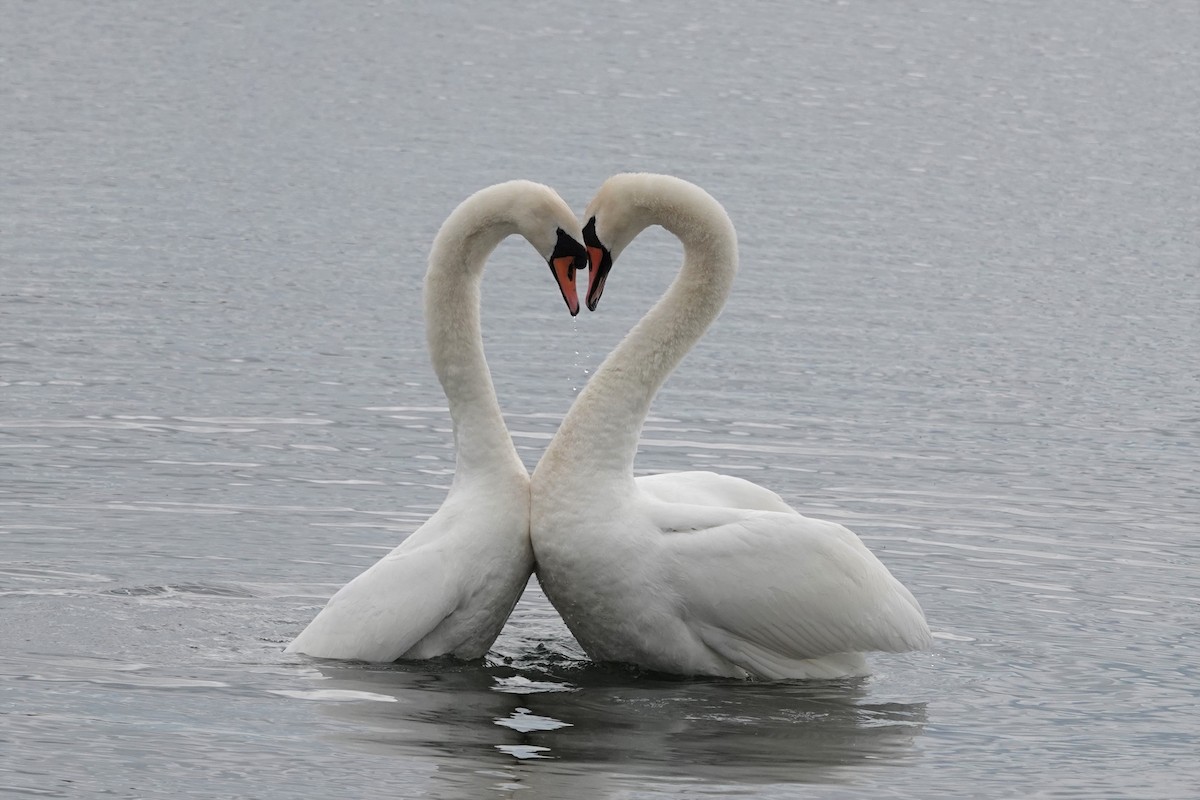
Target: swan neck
[[601, 431], [455, 340]]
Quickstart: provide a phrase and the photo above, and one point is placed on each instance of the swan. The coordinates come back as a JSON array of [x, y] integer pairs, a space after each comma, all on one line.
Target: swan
[[692, 573], [450, 586]]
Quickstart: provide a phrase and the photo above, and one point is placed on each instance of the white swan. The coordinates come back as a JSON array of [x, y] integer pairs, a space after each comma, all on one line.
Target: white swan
[[694, 573], [450, 586]]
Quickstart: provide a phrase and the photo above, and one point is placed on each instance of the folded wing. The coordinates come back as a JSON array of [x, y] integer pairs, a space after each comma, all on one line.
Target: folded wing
[[385, 611], [775, 588], [711, 489]]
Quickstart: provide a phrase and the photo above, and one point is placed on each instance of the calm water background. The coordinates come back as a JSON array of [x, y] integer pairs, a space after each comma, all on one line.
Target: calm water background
[[966, 326]]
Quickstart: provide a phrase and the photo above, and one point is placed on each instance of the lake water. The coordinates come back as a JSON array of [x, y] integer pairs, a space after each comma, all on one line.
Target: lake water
[[966, 326]]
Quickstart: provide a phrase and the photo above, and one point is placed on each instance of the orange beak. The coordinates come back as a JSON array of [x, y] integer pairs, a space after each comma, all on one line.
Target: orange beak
[[563, 268], [600, 262]]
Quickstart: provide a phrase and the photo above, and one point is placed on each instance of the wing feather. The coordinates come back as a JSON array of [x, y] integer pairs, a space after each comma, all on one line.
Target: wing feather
[[771, 588], [383, 612], [711, 489]]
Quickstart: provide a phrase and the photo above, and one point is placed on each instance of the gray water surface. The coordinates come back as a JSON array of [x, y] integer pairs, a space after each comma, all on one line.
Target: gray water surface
[[966, 326]]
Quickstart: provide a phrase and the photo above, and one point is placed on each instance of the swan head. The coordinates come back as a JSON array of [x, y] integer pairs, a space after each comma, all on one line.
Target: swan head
[[614, 219], [548, 223], [628, 203], [599, 263], [534, 211]]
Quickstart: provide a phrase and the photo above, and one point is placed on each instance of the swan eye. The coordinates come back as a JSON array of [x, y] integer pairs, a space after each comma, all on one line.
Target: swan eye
[[567, 247], [590, 238]]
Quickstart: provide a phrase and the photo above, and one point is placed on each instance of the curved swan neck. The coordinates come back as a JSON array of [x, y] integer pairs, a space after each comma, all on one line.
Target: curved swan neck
[[455, 340], [602, 428]]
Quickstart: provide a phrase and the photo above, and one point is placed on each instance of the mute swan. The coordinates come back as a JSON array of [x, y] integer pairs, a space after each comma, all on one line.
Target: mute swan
[[694, 573], [450, 586]]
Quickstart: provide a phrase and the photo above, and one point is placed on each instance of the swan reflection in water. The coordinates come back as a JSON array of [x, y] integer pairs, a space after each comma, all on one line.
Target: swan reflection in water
[[570, 725]]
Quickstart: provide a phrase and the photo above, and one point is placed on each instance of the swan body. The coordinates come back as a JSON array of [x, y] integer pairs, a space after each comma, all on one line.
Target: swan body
[[692, 573], [450, 586]]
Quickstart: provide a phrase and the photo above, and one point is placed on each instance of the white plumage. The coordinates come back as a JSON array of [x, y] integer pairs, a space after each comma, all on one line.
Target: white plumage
[[449, 587], [692, 573]]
